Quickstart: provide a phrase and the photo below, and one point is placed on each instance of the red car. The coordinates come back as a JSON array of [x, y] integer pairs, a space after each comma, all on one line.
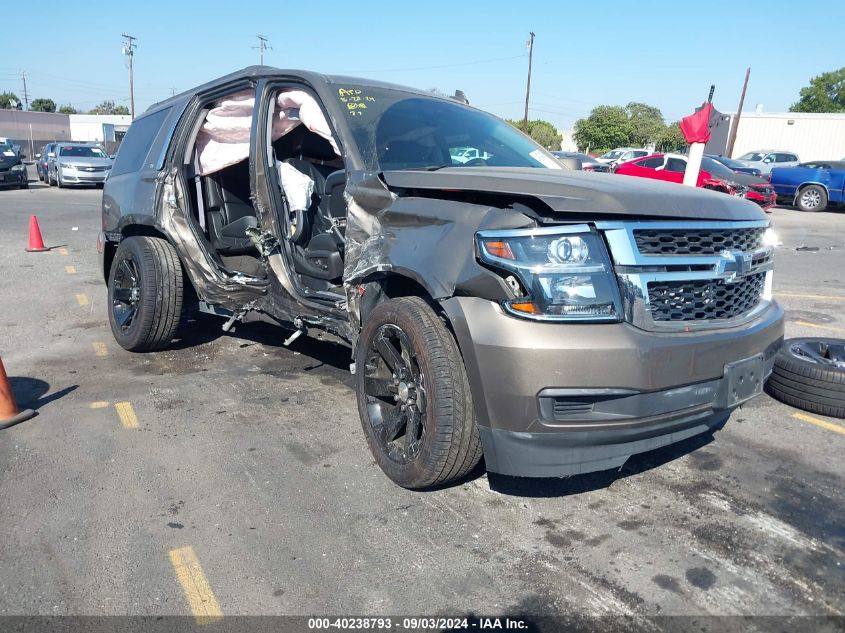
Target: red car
[[713, 175]]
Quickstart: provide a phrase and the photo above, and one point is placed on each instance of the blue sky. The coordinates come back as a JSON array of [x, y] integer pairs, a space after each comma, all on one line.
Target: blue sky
[[586, 53]]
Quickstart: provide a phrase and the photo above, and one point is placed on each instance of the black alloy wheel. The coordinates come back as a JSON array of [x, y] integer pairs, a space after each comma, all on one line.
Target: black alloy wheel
[[126, 294], [395, 390]]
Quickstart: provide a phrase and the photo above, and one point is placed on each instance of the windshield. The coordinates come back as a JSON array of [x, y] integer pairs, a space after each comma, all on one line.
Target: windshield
[[82, 151], [716, 168], [614, 154], [402, 130], [755, 156]]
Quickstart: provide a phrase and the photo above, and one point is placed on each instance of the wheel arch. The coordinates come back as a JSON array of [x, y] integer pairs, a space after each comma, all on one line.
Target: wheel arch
[[806, 184]]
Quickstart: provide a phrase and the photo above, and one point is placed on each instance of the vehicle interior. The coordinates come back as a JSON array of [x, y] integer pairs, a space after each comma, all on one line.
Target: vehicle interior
[[311, 181]]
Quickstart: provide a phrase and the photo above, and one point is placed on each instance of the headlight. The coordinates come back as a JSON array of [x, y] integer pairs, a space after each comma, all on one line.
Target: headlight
[[564, 272], [18, 167]]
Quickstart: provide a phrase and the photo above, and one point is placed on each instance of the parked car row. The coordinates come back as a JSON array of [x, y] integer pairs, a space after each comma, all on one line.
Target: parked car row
[[12, 169], [713, 175], [762, 176], [64, 164]]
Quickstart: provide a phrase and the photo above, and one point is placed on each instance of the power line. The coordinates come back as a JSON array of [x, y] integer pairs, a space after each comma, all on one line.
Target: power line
[[129, 51], [398, 70]]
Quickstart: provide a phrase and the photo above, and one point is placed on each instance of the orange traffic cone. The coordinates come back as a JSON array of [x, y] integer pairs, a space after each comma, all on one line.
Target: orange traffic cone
[[9, 413], [36, 242]]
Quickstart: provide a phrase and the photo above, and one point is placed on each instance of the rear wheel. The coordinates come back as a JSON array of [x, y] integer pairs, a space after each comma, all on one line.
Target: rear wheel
[[812, 198], [145, 294], [413, 396]]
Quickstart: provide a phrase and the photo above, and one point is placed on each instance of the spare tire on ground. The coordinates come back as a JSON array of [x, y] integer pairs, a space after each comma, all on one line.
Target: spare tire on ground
[[809, 373]]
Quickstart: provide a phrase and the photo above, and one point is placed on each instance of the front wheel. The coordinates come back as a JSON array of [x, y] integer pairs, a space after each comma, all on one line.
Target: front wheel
[[414, 397], [145, 294], [58, 179], [812, 198]]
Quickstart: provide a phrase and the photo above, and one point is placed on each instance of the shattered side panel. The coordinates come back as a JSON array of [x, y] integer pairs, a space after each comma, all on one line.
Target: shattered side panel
[[211, 282], [429, 240]]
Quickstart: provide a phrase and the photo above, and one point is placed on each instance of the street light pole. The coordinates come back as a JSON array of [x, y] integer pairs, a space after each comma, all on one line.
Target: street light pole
[[528, 87], [129, 51]]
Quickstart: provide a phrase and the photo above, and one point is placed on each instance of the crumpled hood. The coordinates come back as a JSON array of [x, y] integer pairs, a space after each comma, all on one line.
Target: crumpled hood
[[575, 192], [745, 179]]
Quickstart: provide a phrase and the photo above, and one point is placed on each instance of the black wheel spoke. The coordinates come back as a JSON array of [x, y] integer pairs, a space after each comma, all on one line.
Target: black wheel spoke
[[379, 387], [124, 317], [389, 354], [411, 432], [127, 270], [392, 423], [124, 295]]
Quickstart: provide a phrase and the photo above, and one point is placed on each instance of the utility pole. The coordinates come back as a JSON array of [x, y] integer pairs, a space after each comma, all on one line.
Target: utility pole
[[262, 46], [25, 93], [735, 126], [129, 51], [528, 87]]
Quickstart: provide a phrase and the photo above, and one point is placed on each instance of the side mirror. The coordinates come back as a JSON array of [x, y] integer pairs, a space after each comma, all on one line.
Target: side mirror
[[51, 155], [571, 163], [37, 156], [23, 156], [768, 159]]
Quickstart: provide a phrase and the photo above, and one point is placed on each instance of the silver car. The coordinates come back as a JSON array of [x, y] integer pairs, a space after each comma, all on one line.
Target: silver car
[[766, 159], [78, 164]]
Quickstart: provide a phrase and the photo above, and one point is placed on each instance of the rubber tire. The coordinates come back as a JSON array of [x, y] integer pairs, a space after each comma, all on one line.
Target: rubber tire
[[451, 443], [161, 283], [58, 180], [822, 205], [807, 386]]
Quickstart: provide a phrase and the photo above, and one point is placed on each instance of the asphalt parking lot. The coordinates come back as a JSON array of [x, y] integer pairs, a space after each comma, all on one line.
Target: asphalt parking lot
[[229, 474]]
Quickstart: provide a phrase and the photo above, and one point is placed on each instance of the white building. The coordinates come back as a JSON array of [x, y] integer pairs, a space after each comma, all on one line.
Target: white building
[[99, 127], [813, 136]]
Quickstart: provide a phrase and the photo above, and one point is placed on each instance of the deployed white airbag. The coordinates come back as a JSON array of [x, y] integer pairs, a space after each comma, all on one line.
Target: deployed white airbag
[[223, 140]]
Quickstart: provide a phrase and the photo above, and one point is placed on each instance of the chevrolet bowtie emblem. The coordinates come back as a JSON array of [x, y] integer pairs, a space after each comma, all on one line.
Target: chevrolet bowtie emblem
[[735, 262]]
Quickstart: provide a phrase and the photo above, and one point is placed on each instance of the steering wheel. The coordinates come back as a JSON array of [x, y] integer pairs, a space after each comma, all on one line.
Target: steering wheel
[[476, 162]]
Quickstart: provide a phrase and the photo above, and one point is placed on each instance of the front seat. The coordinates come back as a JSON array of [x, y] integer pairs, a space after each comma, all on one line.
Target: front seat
[[229, 210]]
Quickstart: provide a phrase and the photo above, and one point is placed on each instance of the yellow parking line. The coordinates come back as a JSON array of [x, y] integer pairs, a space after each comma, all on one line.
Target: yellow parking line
[[63, 251], [803, 296], [100, 348], [126, 414], [820, 327], [82, 299], [99, 404], [70, 270], [189, 573], [830, 426]]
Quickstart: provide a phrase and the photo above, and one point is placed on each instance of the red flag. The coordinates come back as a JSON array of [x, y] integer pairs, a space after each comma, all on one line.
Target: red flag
[[696, 127]]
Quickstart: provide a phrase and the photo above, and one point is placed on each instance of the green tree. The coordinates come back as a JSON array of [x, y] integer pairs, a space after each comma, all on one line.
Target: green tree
[[671, 139], [68, 109], [108, 107], [826, 93], [43, 105], [646, 121], [6, 99], [606, 127], [543, 132]]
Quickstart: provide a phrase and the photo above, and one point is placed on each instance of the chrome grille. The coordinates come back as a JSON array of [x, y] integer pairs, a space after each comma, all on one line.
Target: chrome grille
[[703, 299], [683, 275], [697, 242]]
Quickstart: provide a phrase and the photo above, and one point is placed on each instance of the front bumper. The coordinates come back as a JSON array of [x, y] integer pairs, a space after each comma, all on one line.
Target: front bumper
[[9, 178], [554, 400], [76, 177]]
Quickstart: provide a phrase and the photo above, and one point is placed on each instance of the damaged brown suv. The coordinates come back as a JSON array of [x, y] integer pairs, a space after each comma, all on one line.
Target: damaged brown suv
[[554, 321]]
